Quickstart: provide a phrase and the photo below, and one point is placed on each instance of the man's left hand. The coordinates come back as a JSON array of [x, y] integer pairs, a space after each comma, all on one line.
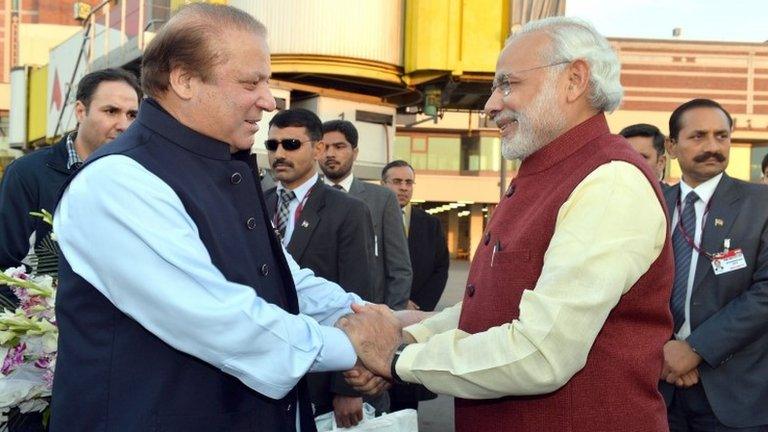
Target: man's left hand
[[375, 333], [365, 381], [679, 359]]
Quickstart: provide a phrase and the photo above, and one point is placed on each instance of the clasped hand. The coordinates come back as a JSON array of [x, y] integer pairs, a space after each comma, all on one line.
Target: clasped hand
[[680, 364], [375, 333]]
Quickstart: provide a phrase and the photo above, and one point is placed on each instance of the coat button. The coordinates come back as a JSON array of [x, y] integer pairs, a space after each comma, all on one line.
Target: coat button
[[487, 238], [470, 290], [288, 408], [236, 178], [510, 191], [264, 269], [250, 223]]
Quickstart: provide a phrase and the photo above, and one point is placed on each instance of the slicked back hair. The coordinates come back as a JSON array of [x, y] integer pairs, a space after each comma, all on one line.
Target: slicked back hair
[[88, 84], [344, 127], [299, 117], [192, 40], [647, 131], [676, 119], [395, 164]]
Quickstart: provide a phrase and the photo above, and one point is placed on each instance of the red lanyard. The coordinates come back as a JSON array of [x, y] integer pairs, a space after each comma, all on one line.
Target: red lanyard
[[687, 236], [299, 209]]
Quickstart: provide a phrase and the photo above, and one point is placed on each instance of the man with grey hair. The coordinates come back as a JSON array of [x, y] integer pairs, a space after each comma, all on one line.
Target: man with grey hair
[[178, 309], [565, 311]]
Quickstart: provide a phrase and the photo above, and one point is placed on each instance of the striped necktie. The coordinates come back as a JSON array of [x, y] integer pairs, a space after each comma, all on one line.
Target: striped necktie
[[286, 197], [683, 253]]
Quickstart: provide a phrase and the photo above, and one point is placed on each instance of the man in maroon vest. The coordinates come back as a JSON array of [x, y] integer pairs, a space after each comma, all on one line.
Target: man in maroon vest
[[566, 307]]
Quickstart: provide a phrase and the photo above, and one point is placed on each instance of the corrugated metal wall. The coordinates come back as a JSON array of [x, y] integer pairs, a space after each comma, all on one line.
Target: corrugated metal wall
[[369, 30]]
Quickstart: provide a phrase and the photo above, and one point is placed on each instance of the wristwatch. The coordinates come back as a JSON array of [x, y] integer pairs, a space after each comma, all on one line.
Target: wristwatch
[[392, 368]]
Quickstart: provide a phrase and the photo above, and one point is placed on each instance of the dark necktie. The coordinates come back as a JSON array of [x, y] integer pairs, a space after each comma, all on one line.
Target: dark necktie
[[339, 187], [683, 253], [286, 197]]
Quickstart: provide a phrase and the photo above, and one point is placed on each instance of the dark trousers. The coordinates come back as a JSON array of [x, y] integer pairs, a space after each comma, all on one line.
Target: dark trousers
[[690, 412]]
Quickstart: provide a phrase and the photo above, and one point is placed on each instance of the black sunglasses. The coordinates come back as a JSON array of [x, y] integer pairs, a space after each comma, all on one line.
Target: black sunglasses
[[289, 144]]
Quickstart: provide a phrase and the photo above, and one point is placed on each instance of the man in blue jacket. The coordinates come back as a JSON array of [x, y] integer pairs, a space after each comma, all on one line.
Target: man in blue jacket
[[107, 102]]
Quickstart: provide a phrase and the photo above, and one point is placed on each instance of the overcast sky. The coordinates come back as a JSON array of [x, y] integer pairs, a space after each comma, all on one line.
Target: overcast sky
[[712, 20]]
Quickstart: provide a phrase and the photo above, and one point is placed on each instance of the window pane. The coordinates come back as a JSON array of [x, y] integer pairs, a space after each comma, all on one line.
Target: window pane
[[444, 154], [419, 145], [490, 156], [402, 148], [419, 161]]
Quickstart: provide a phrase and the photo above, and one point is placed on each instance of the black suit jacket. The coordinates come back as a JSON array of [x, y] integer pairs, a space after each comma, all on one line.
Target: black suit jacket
[[729, 312], [332, 238], [429, 259]]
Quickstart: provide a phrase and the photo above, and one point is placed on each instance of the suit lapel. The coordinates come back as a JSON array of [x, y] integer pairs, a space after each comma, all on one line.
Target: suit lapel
[[357, 188], [270, 200], [718, 225], [671, 195], [414, 228], [306, 224]]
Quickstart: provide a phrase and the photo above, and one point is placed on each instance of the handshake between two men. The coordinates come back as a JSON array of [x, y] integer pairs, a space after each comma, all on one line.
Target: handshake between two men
[[376, 332]]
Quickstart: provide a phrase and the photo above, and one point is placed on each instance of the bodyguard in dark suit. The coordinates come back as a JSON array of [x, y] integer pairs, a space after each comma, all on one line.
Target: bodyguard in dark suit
[[429, 260], [390, 247], [718, 357], [426, 241], [324, 230]]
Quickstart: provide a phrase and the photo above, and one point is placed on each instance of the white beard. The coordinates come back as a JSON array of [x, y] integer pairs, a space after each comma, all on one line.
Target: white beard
[[537, 126]]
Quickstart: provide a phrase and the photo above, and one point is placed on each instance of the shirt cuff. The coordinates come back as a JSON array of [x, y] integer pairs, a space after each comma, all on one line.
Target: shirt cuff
[[405, 363], [337, 353], [419, 331]]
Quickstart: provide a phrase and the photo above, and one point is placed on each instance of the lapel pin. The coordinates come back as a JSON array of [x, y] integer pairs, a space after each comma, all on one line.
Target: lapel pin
[[719, 222], [304, 224]]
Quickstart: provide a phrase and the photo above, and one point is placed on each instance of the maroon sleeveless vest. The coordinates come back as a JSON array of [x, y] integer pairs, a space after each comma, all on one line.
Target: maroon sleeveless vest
[[617, 388]]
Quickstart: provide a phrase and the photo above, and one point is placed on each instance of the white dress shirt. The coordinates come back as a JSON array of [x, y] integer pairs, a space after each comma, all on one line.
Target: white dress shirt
[[345, 184], [127, 233], [301, 192], [705, 192]]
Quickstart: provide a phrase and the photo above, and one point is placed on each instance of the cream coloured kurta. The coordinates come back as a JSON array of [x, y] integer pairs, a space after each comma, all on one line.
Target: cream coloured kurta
[[612, 224]]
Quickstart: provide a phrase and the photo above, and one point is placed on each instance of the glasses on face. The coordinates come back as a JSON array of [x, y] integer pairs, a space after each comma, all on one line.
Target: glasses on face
[[289, 144], [502, 83], [400, 182]]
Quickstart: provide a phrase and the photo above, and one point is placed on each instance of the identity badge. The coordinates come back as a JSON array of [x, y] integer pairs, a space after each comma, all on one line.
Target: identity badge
[[728, 261]]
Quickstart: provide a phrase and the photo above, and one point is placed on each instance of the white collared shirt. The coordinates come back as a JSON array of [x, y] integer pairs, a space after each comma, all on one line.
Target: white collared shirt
[[345, 184], [705, 192], [301, 192]]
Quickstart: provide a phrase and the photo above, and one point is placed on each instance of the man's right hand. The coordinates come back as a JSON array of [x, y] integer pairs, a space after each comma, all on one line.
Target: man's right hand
[[375, 334], [411, 316], [348, 410]]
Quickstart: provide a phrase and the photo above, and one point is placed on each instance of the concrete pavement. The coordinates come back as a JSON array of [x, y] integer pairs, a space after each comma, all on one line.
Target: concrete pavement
[[437, 415]]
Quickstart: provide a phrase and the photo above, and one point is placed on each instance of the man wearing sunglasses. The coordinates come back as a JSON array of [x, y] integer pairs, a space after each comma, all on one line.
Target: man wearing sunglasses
[[324, 230]]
